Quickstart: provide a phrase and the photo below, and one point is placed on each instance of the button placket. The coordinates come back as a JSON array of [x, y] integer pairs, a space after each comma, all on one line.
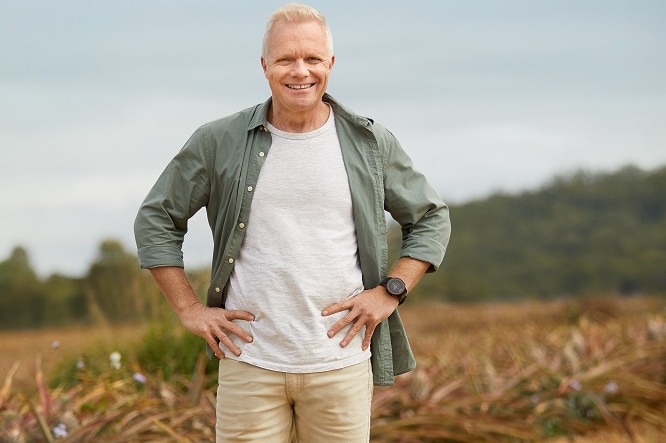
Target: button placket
[[254, 165]]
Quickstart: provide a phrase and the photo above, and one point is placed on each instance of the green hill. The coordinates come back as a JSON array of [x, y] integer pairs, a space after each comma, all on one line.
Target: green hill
[[581, 234]]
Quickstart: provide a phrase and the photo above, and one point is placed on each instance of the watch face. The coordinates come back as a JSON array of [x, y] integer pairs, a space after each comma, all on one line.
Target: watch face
[[395, 286]]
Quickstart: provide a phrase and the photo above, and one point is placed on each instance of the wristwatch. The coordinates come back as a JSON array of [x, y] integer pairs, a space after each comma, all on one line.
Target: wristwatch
[[395, 287]]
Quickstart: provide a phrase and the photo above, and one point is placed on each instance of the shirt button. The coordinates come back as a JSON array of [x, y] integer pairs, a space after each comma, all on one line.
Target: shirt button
[[249, 188], [231, 260], [217, 289], [261, 154], [241, 225]]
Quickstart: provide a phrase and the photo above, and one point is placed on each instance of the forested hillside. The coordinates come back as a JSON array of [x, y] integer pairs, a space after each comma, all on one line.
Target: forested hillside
[[580, 234]]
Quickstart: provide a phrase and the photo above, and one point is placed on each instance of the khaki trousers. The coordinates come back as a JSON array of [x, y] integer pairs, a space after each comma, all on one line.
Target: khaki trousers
[[258, 405]]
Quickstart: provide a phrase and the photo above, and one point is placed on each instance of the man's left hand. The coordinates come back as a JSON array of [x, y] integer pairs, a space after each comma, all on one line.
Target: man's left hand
[[369, 308]]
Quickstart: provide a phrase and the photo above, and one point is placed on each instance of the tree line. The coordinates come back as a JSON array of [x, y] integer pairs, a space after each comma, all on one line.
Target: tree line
[[580, 234], [114, 290]]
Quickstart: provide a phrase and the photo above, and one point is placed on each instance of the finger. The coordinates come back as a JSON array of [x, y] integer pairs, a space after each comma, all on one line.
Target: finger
[[226, 341], [328, 310], [233, 328], [239, 315], [353, 331], [367, 339], [337, 307], [344, 321], [215, 347]]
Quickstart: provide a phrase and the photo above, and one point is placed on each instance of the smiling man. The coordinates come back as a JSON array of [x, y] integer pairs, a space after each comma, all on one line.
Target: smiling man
[[301, 310]]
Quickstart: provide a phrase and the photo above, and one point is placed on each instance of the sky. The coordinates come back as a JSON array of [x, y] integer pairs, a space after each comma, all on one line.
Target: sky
[[485, 95]]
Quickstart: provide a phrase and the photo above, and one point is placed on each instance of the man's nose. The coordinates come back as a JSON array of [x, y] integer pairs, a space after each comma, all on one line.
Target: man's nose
[[300, 69]]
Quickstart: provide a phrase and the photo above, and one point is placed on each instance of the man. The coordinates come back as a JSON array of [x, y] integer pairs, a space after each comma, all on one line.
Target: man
[[299, 310]]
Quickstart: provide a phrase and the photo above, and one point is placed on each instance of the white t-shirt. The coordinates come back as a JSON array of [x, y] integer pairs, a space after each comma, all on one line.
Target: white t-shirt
[[299, 255]]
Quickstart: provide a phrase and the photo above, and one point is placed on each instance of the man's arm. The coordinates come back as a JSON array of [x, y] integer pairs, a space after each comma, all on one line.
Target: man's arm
[[212, 324], [372, 306], [424, 219]]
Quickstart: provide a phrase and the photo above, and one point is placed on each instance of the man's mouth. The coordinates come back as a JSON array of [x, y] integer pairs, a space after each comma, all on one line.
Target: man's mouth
[[306, 86]]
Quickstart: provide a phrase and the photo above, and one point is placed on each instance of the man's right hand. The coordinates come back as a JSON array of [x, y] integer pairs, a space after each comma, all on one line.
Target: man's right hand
[[212, 324]]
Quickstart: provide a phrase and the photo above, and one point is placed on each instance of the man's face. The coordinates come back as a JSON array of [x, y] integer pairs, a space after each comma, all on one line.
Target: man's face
[[297, 66]]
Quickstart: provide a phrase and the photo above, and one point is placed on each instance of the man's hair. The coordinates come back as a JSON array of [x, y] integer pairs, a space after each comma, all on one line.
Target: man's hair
[[297, 13]]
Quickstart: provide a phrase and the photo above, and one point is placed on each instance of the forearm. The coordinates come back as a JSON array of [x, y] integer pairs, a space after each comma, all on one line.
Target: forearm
[[409, 270], [175, 287]]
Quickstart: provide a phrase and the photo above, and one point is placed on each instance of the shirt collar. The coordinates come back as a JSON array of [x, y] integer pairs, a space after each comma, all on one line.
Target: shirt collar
[[260, 115]]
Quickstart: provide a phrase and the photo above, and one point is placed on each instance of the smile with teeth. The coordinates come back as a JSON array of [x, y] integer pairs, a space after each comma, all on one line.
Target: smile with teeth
[[306, 86]]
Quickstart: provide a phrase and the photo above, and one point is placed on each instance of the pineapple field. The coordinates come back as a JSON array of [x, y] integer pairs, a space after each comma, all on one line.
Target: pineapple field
[[574, 370]]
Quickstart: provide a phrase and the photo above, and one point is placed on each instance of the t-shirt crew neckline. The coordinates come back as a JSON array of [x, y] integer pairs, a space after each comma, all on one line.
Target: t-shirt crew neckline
[[304, 135]]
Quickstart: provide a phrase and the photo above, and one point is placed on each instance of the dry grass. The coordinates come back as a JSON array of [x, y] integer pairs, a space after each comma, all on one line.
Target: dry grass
[[636, 433], [520, 372], [590, 371], [55, 346]]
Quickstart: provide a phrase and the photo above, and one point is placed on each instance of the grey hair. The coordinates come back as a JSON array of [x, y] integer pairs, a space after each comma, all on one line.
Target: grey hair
[[297, 13]]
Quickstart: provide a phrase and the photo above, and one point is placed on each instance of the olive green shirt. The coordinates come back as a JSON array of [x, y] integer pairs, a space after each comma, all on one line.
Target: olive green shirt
[[218, 169]]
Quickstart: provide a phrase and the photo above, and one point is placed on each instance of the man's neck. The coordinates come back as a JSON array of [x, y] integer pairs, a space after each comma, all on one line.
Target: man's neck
[[299, 122]]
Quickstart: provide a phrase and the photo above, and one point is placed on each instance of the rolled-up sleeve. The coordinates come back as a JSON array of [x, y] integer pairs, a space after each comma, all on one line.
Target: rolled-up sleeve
[[414, 204], [180, 191]]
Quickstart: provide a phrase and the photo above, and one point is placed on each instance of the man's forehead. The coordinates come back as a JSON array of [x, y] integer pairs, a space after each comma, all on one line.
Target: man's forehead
[[303, 36]]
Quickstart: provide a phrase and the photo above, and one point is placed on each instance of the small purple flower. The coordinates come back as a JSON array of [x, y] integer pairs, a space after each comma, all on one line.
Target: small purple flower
[[80, 365], [60, 431], [55, 344], [575, 385], [139, 378], [610, 388]]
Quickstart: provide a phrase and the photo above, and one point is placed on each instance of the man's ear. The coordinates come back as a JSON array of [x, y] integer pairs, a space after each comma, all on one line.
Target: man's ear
[[263, 65]]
